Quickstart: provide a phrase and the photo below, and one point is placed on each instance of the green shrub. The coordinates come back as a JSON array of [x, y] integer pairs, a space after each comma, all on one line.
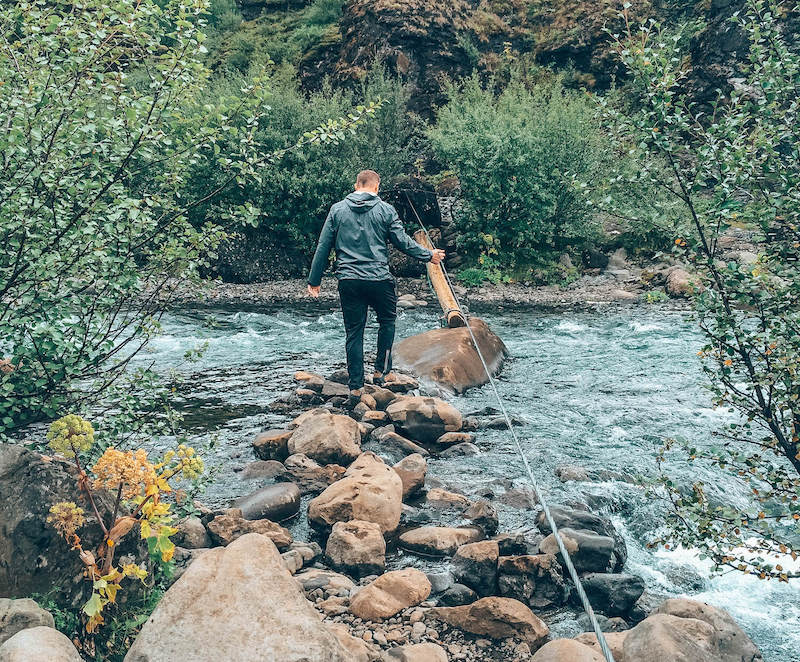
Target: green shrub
[[518, 157]]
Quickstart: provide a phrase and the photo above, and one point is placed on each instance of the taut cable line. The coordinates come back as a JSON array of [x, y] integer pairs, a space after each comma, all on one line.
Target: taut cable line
[[587, 607]]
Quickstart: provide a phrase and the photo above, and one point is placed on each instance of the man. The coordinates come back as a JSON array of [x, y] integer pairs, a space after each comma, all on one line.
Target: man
[[359, 227]]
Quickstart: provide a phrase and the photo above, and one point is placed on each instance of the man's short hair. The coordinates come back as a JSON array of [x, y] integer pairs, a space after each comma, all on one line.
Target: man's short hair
[[367, 178]]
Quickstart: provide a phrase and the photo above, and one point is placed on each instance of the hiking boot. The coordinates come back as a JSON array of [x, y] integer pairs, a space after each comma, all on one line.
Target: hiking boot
[[353, 399], [379, 379]]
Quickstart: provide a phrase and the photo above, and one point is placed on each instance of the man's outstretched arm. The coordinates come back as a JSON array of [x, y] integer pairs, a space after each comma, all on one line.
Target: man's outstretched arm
[[401, 241], [320, 260]]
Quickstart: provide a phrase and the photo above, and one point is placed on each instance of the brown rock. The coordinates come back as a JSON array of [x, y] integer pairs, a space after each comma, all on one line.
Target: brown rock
[[439, 498], [475, 565], [390, 593], [665, 637], [232, 604], [589, 551], [192, 534], [498, 618], [452, 438], [266, 469], [535, 579], [224, 529], [383, 396], [438, 540], [567, 650], [412, 470], [679, 283], [424, 419], [309, 475], [376, 418], [357, 649], [370, 491], [448, 356], [615, 641], [357, 547], [327, 438], [426, 652], [309, 380], [272, 444], [276, 502], [734, 645]]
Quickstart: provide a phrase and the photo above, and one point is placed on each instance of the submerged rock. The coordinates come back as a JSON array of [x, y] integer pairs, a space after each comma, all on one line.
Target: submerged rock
[[424, 419], [274, 502], [498, 618], [39, 644], [448, 357], [231, 603], [370, 491], [390, 593]]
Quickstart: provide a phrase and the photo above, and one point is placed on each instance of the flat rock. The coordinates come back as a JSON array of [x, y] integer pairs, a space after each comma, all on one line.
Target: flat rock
[[272, 444], [438, 540], [424, 419], [357, 547], [274, 502], [370, 490], [453, 438], [448, 356], [426, 652], [327, 438], [567, 650], [232, 602], [390, 593], [309, 380], [225, 529], [498, 618], [39, 644]]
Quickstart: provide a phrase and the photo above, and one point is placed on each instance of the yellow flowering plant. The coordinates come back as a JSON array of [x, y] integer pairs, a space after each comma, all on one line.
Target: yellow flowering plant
[[140, 487]]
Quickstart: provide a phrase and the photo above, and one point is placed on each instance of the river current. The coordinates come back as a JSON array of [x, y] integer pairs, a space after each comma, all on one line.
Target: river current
[[596, 389]]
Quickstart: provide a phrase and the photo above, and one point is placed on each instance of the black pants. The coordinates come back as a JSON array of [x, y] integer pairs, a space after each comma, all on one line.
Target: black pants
[[356, 296]]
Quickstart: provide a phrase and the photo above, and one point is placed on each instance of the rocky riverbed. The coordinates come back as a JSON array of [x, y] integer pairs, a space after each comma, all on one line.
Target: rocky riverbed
[[356, 592]]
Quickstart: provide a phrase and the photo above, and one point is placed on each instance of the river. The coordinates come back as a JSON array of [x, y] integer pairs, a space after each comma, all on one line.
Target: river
[[598, 389]]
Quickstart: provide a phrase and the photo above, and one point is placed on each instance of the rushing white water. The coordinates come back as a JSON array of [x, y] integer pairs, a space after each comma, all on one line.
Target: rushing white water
[[600, 390]]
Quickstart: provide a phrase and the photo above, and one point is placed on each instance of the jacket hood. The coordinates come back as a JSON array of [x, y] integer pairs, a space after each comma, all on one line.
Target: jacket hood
[[361, 201]]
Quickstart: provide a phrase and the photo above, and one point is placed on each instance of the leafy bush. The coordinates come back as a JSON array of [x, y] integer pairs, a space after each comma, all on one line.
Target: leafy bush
[[738, 164], [295, 190], [518, 157]]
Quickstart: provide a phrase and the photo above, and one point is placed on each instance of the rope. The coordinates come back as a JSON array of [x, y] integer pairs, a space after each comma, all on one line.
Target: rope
[[601, 640]]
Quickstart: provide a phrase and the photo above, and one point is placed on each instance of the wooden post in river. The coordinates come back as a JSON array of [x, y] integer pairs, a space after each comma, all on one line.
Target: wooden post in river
[[441, 287]]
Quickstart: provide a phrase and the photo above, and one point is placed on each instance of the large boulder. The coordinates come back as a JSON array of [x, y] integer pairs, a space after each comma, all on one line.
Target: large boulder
[[612, 595], [588, 551], [16, 615], [438, 540], [39, 644], [498, 618], [231, 604], [665, 637], [732, 643], [448, 358], [33, 557], [389, 594], [424, 419], [475, 564], [567, 650], [357, 547], [327, 438], [535, 579], [272, 444], [370, 491], [274, 502], [412, 470]]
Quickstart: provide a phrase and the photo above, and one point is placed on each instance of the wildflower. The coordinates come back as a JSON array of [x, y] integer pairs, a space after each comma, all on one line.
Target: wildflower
[[66, 518], [70, 434], [130, 470]]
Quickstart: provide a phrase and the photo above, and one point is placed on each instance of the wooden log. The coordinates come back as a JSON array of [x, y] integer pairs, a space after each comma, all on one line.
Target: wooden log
[[447, 300]]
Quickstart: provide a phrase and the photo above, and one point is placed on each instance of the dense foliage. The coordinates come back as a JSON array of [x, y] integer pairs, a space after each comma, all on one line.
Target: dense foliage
[[101, 130], [519, 157], [737, 164]]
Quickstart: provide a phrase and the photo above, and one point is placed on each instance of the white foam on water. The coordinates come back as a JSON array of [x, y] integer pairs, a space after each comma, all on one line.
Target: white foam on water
[[644, 327], [570, 327]]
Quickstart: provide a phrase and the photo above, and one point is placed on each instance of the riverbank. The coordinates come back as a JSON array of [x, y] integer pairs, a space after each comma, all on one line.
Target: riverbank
[[587, 292]]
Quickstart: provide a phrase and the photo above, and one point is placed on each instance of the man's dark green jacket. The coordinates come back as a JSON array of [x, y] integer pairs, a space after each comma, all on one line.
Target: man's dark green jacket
[[359, 228]]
